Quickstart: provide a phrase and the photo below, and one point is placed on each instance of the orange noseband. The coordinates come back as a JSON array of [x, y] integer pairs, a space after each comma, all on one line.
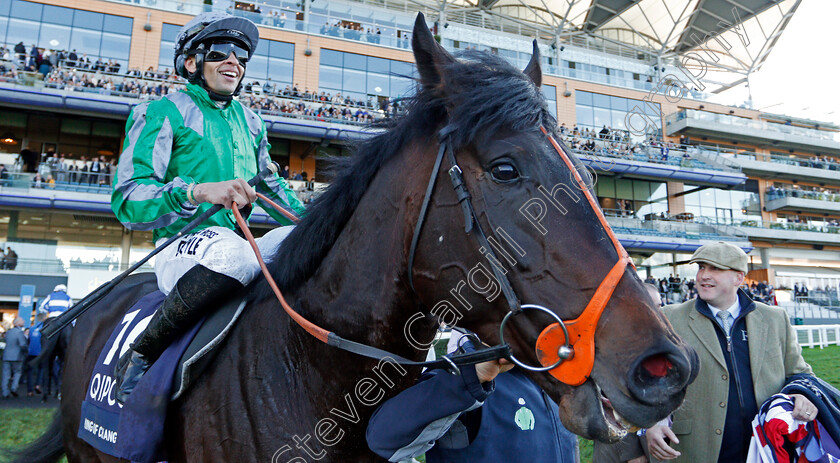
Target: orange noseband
[[576, 368]]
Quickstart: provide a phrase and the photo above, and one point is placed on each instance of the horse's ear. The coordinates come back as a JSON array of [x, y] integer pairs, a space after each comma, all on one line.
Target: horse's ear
[[533, 69], [431, 58]]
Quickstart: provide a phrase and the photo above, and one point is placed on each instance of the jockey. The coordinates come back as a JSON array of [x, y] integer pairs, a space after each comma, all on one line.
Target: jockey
[[56, 302], [183, 154]]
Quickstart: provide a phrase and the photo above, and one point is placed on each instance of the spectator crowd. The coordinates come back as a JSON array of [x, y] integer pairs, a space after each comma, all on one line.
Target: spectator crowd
[[675, 290], [8, 259], [617, 143], [784, 190], [74, 72]]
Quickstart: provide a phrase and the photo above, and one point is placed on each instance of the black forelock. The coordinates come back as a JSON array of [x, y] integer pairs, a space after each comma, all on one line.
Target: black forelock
[[486, 94], [483, 95]]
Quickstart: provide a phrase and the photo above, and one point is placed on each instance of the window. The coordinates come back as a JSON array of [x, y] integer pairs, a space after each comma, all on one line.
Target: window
[[169, 32], [88, 20], [362, 77], [631, 197], [56, 14], [594, 111], [550, 94], [100, 36], [724, 205]]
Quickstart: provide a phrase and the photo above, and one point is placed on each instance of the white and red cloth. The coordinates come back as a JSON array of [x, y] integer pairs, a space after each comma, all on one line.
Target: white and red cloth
[[779, 438]]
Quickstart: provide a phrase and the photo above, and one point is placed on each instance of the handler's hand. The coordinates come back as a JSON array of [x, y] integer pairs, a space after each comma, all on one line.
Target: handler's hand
[[487, 371], [803, 409], [657, 445], [225, 193], [641, 459]]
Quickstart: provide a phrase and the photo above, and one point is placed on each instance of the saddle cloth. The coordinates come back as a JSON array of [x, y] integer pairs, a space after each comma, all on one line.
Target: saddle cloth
[[144, 413]]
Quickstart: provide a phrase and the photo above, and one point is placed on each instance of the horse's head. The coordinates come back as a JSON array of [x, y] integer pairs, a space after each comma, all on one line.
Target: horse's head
[[547, 237]]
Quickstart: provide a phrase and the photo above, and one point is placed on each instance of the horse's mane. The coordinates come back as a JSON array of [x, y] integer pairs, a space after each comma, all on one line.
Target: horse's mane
[[483, 95]]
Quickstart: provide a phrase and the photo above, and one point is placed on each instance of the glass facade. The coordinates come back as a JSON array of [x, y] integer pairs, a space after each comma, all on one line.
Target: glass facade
[[73, 135], [516, 58], [725, 206], [550, 94], [100, 36], [168, 34], [631, 197], [361, 76], [595, 111], [272, 60]]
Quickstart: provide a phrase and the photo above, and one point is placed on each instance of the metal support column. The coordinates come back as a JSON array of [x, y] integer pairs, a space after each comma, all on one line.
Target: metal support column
[[764, 253], [441, 21], [13, 225], [674, 263], [126, 248]]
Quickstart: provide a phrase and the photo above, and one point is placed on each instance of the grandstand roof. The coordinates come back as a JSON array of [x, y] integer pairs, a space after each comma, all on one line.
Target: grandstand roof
[[730, 36]]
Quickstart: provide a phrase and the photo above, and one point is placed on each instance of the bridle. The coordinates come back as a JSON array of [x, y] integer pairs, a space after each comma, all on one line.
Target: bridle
[[566, 350]]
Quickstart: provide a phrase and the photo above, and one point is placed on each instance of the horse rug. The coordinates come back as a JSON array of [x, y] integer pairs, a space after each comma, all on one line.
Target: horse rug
[[142, 417]]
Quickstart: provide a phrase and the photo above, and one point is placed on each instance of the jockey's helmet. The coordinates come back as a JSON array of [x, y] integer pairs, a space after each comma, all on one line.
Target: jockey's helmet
[[60, 288], [205, 29]]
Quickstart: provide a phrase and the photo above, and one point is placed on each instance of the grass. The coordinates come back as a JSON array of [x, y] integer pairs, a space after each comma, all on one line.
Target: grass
[[21, 426], [824, 362]]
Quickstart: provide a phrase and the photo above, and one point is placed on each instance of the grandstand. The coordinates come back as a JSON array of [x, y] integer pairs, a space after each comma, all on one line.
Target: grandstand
[[674, 169]]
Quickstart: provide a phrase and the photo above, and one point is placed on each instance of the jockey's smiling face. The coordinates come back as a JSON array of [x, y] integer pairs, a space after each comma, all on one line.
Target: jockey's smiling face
[[223, 76]]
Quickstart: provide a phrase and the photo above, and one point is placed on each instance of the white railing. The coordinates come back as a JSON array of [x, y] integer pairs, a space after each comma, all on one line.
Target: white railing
[[818, 335]]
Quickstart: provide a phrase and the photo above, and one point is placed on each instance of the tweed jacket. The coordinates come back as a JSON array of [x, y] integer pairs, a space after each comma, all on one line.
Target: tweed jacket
[[774, 355]]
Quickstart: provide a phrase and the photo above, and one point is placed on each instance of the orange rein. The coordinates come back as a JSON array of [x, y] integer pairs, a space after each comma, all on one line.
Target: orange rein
[[574, 370], [310, 327]]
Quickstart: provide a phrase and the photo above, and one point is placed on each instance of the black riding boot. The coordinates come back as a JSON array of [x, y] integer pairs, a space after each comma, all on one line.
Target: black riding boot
[[198, 292]]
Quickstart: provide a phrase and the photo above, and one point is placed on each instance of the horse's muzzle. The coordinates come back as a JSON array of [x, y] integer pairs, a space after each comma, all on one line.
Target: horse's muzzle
[[662, 374]]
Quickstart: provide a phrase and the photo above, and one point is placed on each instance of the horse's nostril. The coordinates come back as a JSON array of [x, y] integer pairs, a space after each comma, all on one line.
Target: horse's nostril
[[657, 365]]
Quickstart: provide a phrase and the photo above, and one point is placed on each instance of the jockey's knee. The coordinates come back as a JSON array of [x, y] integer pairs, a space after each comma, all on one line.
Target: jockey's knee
[[233, 258], [269, 243]]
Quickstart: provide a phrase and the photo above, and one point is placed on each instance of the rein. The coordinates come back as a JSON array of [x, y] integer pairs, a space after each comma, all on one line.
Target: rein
[[565, 349], [448, 363]]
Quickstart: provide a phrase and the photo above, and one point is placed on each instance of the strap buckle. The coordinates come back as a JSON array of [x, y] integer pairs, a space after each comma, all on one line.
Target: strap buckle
[[450, 366]]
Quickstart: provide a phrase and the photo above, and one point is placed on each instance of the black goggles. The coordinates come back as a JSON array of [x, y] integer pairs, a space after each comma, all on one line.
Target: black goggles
[[221, 51]]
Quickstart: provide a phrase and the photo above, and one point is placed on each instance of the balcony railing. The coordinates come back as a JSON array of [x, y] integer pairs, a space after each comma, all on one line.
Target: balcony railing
[[671, 226], [59, 179], [57, 266], [820, 163], [282, 105], [777, 193], [740, 122], [379, 27], [619, 145], [823, 227], [817, 162]]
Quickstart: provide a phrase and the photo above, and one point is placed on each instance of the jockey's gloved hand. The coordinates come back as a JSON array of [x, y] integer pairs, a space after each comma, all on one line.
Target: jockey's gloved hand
[[225, 193]]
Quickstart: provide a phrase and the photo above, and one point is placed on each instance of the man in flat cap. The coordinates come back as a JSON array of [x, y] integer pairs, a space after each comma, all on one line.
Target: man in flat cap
[[747, 349]]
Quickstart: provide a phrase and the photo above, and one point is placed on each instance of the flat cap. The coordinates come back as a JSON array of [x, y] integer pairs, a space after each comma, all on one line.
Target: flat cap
[[722, 255]]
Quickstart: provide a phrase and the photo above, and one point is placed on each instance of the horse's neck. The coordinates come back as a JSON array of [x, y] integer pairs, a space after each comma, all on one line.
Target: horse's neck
[[360, 293], [360, 290]]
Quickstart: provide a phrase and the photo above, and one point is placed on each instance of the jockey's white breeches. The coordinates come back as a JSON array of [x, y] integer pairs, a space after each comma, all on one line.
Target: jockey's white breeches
[[220, 250]]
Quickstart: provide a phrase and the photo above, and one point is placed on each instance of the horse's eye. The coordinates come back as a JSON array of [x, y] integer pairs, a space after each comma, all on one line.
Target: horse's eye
[[504, 172]]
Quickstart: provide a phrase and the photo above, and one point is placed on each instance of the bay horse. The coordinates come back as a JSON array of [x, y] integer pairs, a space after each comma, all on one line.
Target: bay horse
[[275, 393]]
